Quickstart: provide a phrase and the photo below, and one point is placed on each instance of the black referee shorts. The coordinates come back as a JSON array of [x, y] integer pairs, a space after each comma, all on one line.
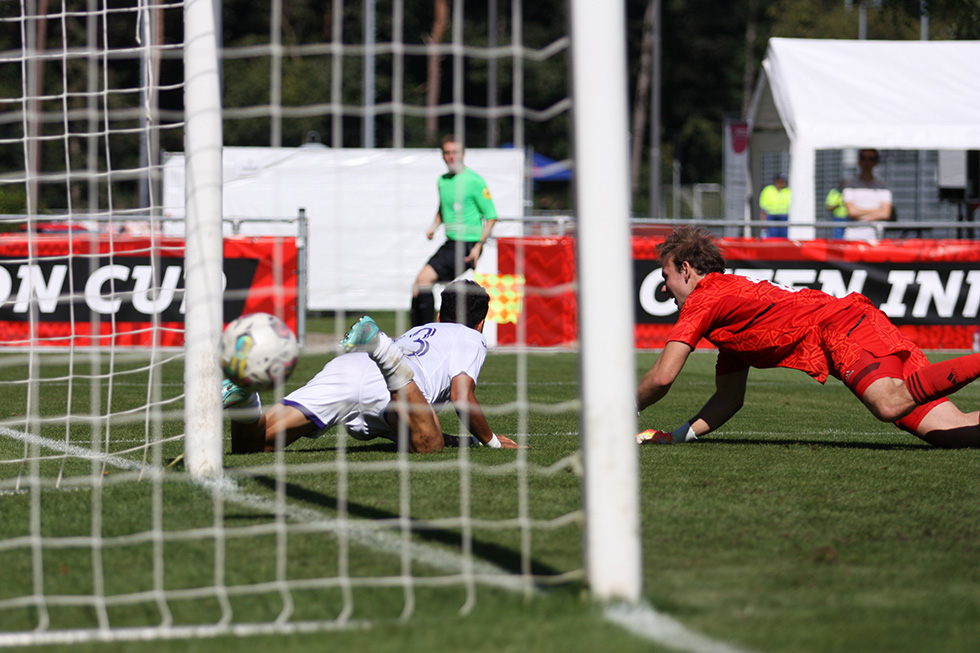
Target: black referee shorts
[[444, 260]]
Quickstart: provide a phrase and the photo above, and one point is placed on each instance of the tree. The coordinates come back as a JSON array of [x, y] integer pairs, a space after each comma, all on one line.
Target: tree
[[434, 79], [642, 96]]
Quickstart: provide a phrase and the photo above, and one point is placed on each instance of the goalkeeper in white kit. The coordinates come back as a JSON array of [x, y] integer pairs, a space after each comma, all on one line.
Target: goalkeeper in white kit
[[383, 387]]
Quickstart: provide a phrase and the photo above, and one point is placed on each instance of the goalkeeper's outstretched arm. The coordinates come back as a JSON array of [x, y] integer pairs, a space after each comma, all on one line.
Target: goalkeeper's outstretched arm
[[657, 381], [724, 403]]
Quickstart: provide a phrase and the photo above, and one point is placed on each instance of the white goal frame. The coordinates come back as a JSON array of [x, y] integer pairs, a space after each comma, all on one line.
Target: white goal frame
[[611, 489], [203, 422]]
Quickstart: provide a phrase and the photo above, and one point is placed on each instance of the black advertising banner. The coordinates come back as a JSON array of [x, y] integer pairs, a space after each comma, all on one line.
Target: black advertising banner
[[95, 290]]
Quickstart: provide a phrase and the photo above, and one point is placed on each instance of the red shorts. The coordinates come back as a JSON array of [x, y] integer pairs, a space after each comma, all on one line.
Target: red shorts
[[864, 346]]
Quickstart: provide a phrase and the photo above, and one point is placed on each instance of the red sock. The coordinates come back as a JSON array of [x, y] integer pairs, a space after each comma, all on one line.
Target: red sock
[[941, 379]]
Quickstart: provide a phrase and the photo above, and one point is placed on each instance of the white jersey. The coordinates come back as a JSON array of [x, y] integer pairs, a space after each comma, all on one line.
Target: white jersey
[[440, 351], [865, 195], [350, 389]]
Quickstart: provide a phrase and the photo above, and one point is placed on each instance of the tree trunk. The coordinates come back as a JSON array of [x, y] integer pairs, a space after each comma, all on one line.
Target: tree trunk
[[35, 67], [641, 100], [748, 73], [434, 77]]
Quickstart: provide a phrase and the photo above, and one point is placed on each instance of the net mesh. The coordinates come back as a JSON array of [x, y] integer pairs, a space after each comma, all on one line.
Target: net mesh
[[104, 535]]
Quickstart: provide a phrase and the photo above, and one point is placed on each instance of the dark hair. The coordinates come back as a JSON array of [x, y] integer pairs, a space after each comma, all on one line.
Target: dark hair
[[694, 245], [875, 152], [474, 297]]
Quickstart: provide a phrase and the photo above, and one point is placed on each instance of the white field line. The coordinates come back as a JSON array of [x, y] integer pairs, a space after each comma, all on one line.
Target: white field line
[[641, 620], [381, 541]]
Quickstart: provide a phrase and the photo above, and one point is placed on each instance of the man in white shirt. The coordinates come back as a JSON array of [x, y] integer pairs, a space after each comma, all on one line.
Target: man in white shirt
[[868, 200], [383, 388]]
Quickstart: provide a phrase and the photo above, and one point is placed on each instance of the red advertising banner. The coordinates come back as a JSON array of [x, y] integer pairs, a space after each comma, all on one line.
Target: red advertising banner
[[84, 290], [929, 288], [549, 315]]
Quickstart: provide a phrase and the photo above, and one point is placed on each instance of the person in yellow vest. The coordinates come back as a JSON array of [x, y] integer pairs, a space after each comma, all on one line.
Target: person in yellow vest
[[838, 209], [774, 206]]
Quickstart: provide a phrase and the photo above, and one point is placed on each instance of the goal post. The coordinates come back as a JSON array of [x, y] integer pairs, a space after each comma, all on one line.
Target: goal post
[[203, 250], [611, 484]]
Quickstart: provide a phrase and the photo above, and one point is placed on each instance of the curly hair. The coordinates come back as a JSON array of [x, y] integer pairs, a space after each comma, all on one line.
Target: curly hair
[[468, 295], [694, 245]]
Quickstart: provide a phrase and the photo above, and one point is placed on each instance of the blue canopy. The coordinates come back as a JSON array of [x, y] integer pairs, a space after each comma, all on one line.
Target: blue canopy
[[545, 168]]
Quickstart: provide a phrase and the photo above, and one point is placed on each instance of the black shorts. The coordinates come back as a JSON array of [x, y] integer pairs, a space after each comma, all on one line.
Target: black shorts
[[445, 258]]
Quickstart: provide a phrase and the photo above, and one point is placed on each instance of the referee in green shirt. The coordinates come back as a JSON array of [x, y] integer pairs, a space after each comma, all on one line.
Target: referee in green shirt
[[468, 214]]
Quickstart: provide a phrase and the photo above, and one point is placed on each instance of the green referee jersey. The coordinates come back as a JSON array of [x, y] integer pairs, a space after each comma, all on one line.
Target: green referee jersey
[[464, 203]]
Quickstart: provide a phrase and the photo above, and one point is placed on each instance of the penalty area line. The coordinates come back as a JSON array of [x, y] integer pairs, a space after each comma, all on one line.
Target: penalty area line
[[72, 449], [639, 619], [643, 621], [382, 541]]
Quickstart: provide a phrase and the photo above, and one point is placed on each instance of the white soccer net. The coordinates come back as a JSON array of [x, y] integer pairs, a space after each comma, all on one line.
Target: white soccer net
[[111, 310]]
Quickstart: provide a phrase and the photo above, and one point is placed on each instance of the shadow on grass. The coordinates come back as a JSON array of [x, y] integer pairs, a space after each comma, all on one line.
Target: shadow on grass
[[503, 557], [874, 446], [382, 446]]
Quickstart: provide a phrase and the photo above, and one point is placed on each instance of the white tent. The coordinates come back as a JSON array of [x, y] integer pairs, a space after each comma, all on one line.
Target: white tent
[[367, 211], [831, 94]]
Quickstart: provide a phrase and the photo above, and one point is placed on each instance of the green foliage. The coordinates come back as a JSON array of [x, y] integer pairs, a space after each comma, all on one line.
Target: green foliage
[[710, 49], [806, 18], [893, 20], [703, 48], [13, 201], [711, 58]]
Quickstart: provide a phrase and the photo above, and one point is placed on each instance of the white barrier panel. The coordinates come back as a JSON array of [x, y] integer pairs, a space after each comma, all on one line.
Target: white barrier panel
[[367, 211]]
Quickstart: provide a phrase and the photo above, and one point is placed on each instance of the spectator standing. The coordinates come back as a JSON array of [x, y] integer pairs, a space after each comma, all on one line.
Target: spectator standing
[[774, 206], [838, 210], [868, 200]]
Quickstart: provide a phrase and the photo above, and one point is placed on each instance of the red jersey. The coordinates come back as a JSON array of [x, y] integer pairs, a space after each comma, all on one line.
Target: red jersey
[[760, 324]]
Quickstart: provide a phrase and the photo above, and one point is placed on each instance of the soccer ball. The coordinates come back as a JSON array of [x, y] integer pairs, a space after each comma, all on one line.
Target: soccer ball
[[258, 352]]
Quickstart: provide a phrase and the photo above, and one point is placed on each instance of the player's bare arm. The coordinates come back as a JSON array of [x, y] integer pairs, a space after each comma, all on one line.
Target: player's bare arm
[[657, 381], [431, 231], [477, 249], [878, 214], [722, 406], [462, 395], [727, 400]]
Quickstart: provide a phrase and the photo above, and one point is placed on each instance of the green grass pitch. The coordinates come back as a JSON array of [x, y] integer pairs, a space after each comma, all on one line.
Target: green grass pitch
[[802, 525]]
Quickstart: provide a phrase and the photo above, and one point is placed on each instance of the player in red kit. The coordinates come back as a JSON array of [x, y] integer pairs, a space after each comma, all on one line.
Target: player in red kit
[[760, 324]]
